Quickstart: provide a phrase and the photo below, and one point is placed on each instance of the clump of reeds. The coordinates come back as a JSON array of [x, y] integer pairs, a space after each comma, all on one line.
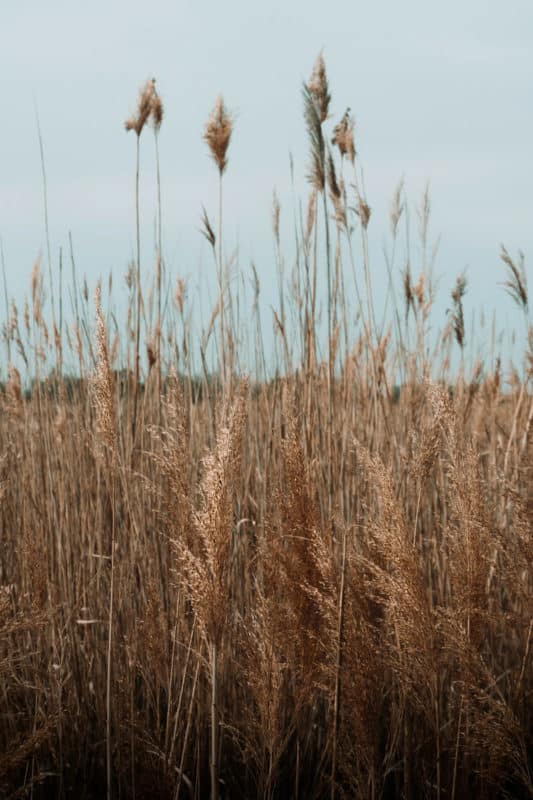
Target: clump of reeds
[[207, 587], [204, 563]]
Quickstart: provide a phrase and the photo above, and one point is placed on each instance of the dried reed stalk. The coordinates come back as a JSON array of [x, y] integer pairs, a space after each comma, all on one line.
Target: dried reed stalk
[[217, 135], [102, 397]]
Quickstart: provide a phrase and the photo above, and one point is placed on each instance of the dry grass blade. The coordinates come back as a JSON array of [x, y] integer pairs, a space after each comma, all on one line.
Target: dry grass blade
[[207, 229], [457, 313], [516, 284]]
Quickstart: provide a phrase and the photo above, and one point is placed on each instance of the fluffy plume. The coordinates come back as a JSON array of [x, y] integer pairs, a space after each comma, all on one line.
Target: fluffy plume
[[343, 136], [317, 170], [217, 133], [138, 120], [318, 88], [205, 564], [157, 111], [102, 386]]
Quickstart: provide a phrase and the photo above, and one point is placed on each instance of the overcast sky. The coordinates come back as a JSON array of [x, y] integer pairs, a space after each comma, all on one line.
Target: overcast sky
[[441, 92]]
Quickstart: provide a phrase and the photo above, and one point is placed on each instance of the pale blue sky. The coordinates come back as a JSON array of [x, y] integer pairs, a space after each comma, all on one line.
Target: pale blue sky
[[441, 92]]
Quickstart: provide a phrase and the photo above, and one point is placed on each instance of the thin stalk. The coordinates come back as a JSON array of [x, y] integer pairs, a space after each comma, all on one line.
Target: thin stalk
[[159, 263], [437, 733], [138, 275], [214, 725], [338, 668], [456, 756], [220, 285], [6, 300], [182, 689], [110, 647], [181, 776], [330, 360], [45, 204]]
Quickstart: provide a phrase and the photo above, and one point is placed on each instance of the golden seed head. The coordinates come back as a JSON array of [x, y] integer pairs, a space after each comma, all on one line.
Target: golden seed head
[[343, 136], [137, 121], [364, 212], [157, 111], [217, 133], [318, 86]]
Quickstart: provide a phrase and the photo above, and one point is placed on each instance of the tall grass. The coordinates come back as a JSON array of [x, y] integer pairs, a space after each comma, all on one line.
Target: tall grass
[[312, 583]]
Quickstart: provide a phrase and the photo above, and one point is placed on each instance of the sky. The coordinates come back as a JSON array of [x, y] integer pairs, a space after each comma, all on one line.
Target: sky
[[441, 94]]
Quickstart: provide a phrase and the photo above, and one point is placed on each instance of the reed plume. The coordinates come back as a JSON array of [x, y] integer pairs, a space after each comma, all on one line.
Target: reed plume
[[516, 283], [319, 89], [205, 564], [102, 388], [217, 133], [145, 107], [343, 136]]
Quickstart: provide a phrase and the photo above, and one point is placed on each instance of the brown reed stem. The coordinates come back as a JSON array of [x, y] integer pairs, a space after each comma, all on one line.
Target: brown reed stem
[[139, 295], [109, 755], [221, 286], [338, 669], [213, 763], [159, 267], [330, 361]]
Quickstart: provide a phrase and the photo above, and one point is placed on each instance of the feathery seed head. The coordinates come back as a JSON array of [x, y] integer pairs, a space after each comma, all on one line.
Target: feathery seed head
[[364, 212], [317, 171], [343, 136], [217, 133], [318, 87], [157, 111], [516, 284], [458, 320], [179, 294], [419, 289], [336, 192], [34, 281], [102, 385], [397, 208], [138, 120], [407, 289]]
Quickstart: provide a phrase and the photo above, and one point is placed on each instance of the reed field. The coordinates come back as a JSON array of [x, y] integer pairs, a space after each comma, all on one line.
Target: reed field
[[266, 557]]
